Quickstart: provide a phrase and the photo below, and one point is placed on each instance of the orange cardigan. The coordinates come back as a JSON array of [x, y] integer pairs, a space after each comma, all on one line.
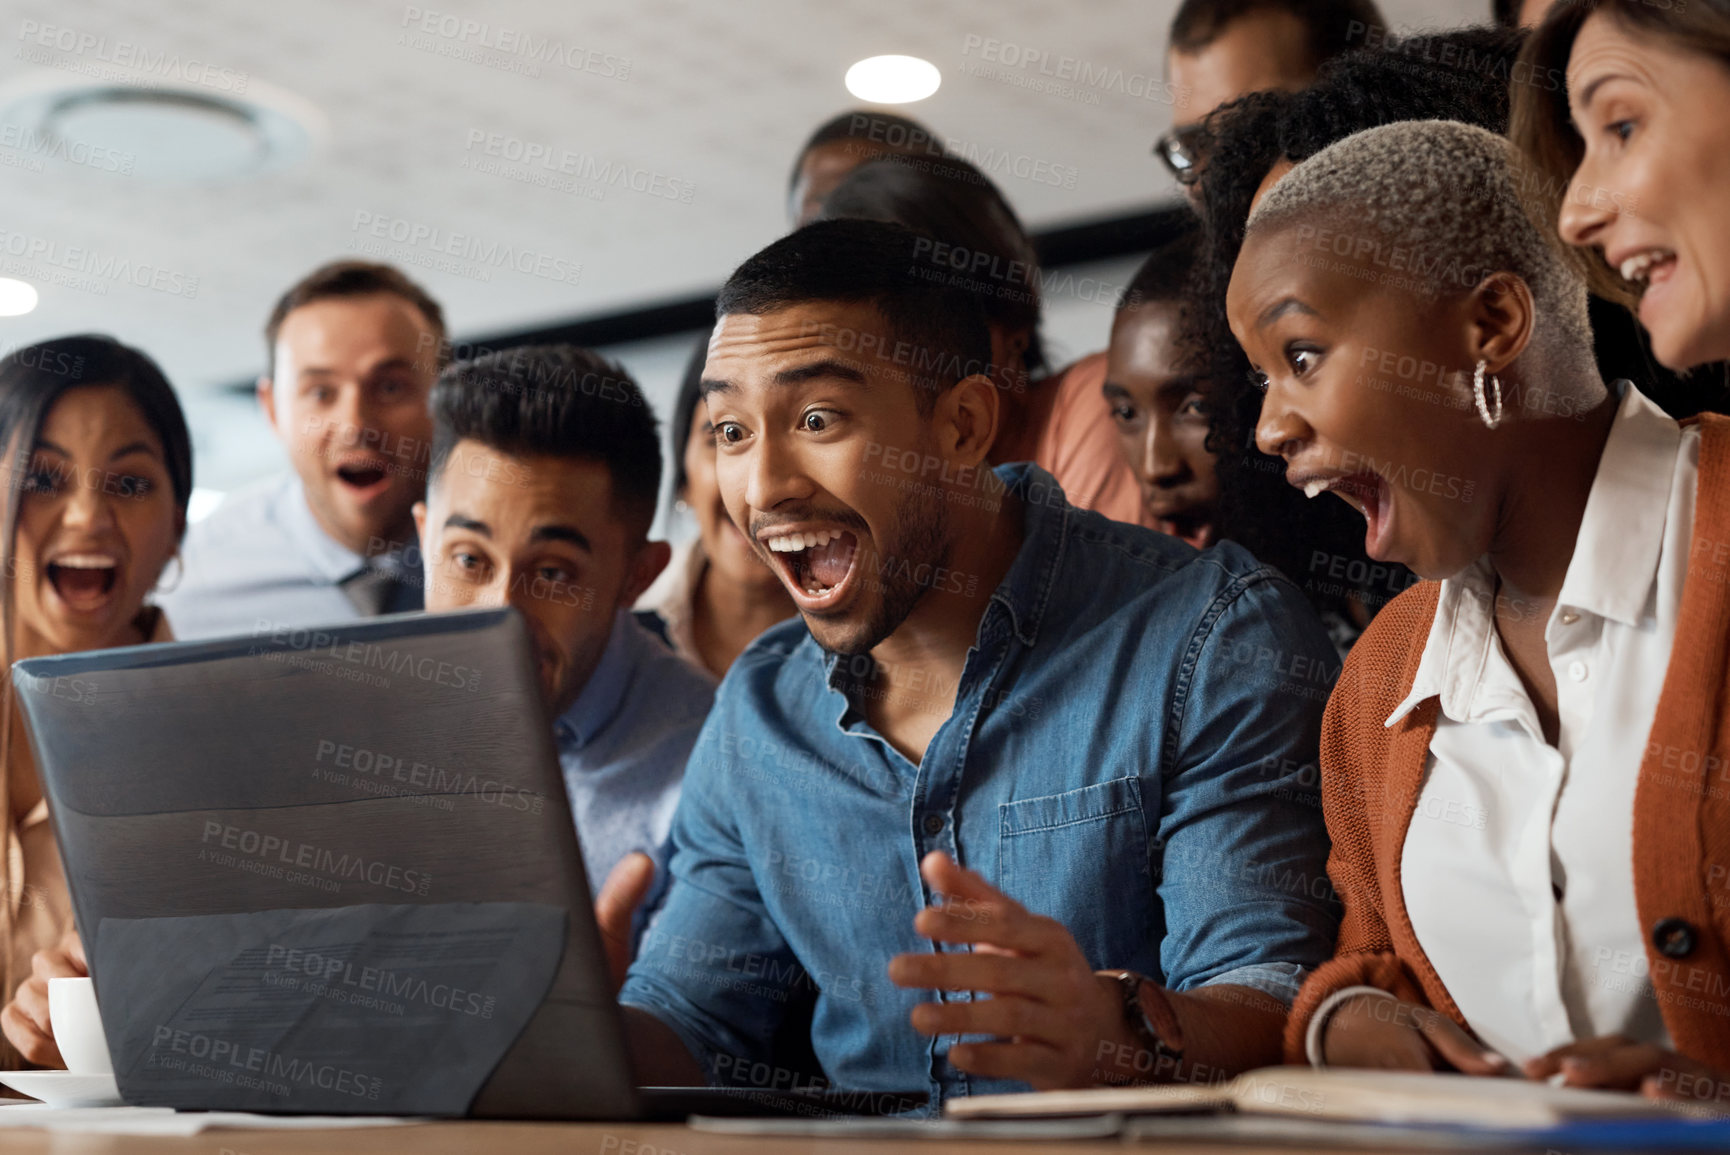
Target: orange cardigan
[[1371, 776]]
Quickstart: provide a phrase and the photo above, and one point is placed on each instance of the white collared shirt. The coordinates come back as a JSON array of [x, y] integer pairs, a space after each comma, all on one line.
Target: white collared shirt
[[1505, 822], [260, 561]]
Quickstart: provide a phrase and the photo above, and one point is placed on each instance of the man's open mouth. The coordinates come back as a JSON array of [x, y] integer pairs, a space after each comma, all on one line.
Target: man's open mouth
[[84, 581], [363, 472], [815, 563]]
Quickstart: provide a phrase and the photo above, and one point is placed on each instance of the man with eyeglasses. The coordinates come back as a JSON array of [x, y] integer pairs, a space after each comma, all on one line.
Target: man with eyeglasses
[[1223, 49]]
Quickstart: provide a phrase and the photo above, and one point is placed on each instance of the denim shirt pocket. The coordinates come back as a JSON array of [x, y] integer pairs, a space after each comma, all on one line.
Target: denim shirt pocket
[[1081, 857]]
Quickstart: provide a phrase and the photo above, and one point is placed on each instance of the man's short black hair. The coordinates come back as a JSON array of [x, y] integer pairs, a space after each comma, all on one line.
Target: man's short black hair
[[554, 401], [1505, 13], [872, 131], [1331, 27], [952, 201], [939, 328]]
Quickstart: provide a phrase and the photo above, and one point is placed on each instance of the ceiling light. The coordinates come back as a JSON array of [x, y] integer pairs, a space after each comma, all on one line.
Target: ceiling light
[[16, 297], [202, 503], [162, 132], [893, 79]]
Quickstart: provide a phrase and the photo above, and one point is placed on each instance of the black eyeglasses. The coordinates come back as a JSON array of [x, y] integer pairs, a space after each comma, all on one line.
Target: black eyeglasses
[[1184, 151]]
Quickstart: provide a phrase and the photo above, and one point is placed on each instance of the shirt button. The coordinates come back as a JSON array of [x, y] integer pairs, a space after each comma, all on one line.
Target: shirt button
[[933, 824], [1569, 617], [1577, 671], [1674, 937]]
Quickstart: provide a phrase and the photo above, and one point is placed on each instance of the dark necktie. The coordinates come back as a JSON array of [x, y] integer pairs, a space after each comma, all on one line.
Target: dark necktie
[[371, 589]]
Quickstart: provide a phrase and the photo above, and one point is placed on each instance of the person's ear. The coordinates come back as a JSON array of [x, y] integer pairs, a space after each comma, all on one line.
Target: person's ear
[[419, 511], [267, 402], [966, 419], [651, 559], [1502, 318]]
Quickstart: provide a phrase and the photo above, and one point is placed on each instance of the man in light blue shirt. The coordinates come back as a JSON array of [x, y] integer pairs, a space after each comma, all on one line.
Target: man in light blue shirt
[[1009, 744], [354, 348], [542, 484], [623, 744]]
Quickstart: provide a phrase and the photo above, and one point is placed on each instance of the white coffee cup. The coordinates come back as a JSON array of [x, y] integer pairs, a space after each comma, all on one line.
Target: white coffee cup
[[77, 1026]]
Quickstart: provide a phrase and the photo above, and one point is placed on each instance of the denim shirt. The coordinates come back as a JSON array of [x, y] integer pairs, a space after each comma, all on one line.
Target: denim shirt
[[1131, 750]]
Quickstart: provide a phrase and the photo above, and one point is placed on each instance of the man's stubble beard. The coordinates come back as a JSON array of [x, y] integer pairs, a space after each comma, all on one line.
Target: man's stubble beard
[[921, 537]]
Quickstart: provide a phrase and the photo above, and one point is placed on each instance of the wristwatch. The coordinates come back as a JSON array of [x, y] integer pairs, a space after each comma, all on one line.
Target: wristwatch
[[1150, 1017]]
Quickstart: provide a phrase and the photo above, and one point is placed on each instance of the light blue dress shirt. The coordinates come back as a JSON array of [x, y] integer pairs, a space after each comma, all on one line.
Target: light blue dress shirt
[[260, 562], [1131, 750], [623, 745]]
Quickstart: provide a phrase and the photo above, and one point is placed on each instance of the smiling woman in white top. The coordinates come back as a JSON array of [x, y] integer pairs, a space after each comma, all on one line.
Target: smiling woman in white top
[[1633, 159], [1513, 857], [98, 470], [715, 596]]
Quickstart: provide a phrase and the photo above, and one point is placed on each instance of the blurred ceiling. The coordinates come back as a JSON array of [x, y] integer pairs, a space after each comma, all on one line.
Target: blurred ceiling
[[531, 162]]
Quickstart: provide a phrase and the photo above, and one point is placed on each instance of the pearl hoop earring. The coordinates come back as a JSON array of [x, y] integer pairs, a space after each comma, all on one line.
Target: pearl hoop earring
[[179, 573], [1491, 420]]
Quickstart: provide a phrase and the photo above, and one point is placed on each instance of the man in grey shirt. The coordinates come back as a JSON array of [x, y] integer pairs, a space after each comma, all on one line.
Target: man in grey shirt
[[354, 349], [541, 488]]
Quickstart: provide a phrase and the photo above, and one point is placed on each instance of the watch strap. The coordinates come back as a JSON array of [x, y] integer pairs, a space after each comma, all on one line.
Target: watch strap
[[1158, 1033]]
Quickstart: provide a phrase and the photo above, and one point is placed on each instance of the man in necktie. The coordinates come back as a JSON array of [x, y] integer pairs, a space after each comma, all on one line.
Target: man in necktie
[[379, 587], [353, 352]]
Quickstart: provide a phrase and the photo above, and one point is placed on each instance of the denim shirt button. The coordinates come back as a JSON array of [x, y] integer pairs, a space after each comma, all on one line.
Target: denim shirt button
[[933, 824]]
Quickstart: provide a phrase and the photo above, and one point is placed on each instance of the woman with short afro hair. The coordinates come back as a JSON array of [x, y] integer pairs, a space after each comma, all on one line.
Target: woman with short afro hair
[[1523, 857], [1461, 75]]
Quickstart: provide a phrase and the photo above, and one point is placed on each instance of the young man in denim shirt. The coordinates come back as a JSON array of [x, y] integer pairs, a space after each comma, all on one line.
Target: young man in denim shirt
[[1113, 733]]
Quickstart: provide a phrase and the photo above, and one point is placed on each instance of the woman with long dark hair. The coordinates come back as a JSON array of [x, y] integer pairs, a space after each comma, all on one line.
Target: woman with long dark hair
[[97, 465]]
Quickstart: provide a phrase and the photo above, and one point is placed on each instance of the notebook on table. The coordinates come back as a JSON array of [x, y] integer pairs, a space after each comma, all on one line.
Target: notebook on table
[[1389, 1097]]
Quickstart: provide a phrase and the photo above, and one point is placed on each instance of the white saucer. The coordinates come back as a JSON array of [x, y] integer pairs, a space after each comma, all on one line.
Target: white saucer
[[65, 1089]]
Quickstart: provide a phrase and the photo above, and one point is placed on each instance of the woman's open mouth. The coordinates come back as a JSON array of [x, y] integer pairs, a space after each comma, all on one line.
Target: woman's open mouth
[[1372, 497], [1369, 494], [1190, 522], [85, 582], [1655, 275], [816, 566]]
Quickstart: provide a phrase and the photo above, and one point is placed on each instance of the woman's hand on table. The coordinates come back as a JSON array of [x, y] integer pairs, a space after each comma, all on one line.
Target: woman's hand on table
[[1618, 1063], [1392, 1034]]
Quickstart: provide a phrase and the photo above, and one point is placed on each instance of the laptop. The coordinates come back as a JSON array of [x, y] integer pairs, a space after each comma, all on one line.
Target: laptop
[[333, 870]]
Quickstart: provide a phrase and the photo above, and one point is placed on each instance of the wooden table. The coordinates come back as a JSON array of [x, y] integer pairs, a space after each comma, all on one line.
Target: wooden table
[[461, 1138], [452, 1138]]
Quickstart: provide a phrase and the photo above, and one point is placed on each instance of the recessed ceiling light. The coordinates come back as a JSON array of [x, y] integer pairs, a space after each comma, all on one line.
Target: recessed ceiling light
[[16, 297], [161, 132], [893, 79]]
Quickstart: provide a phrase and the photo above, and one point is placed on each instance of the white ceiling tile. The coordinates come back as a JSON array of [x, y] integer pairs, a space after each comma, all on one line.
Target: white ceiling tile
[[718, 96]]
